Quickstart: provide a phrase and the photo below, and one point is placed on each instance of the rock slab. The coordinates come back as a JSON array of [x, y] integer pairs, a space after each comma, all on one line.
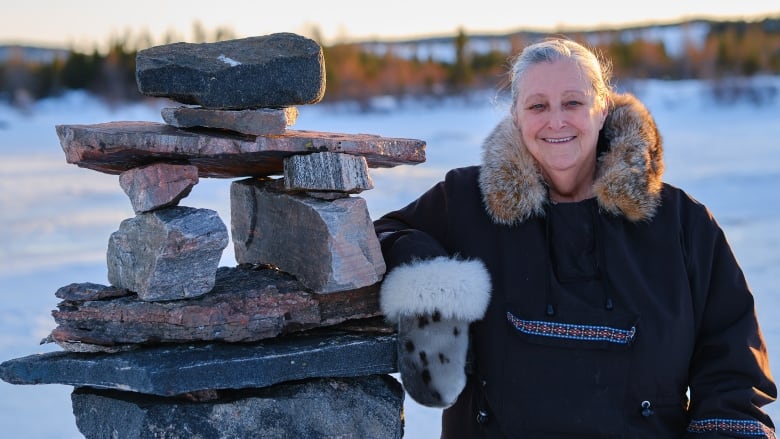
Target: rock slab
[[260, 122], [115, 147], [167, 254], [245, 305], [328, 246], [363, 407], [277, 70], [328, 172], [185, 368], [158, 185]]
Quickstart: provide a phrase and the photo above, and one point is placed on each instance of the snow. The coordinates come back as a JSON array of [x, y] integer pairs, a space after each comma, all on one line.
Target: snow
[[55, 218]]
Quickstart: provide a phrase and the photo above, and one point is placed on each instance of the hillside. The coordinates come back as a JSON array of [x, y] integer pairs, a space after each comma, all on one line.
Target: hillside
[[433, 66]]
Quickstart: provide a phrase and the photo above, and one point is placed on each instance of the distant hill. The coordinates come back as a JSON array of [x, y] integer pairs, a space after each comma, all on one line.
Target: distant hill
[[675, 37], [30, 54], [434, 66]]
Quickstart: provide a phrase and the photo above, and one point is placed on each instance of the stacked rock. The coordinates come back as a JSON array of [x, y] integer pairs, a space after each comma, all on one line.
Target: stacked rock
[[303, 301]]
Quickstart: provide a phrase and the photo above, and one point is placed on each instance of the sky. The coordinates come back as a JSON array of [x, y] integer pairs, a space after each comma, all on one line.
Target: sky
[[87, 24]]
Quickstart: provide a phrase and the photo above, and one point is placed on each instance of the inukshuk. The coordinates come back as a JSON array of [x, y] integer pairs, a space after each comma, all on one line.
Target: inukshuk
[[289, 343]]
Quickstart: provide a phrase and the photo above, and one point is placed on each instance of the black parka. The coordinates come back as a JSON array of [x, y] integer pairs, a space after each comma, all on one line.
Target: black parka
[[605, 315]]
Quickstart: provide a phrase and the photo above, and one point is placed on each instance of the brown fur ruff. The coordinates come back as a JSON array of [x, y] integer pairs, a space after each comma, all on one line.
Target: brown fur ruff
[[628, 175]]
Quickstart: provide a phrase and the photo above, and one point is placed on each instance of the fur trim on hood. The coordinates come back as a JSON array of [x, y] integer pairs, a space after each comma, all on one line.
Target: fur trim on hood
[[628, 175]]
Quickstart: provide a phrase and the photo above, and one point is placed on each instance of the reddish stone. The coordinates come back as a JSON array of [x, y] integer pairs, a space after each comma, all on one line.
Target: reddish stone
[[158, 185], [245, 305], [115, 147]]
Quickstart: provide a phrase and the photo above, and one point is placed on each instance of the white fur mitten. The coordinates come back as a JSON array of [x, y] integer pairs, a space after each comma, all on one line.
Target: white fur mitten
[[433, 302]]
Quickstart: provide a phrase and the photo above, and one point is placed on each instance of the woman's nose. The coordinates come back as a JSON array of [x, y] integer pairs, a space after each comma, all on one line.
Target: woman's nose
[[557, 119]]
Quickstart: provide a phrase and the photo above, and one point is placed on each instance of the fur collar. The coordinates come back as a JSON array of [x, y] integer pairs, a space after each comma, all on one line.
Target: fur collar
[[628, 176]]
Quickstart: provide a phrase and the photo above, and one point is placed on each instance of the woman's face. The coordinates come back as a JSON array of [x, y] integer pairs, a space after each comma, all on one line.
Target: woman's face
[[559, 118]]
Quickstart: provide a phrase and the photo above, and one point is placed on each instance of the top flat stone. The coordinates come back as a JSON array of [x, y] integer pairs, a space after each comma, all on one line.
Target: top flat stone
[[276, 70], [115, 147]]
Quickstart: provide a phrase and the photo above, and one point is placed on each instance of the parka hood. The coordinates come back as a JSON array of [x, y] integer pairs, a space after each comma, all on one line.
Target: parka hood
[[628, 170]]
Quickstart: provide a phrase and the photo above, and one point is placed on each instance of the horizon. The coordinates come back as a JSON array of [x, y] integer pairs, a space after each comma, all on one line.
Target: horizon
[[89, 24]]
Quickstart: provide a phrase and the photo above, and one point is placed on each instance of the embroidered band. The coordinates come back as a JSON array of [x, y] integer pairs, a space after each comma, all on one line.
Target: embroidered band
[[748, 428], [571, 331]]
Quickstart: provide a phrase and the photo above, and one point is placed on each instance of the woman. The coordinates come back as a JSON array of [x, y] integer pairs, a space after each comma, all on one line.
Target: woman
[[561, 289]]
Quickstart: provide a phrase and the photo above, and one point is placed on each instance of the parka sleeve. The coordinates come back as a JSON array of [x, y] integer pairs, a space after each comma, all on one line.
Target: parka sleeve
[[417, 231], [432, 295], [730, 379]]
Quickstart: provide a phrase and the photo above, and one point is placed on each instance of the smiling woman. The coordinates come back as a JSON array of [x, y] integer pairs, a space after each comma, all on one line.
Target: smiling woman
[[568, 268], [559, 117]]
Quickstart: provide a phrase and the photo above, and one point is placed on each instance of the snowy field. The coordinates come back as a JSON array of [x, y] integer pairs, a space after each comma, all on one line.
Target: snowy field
[[55, 218]]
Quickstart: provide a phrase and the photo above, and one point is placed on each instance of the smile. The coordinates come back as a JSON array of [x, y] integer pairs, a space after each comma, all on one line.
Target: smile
[[561, 140]]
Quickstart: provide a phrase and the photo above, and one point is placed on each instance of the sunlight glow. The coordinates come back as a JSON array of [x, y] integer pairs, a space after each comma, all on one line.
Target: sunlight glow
[[85, 24]]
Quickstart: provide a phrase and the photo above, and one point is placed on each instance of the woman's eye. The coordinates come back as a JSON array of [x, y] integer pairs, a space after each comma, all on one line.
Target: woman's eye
[[536, 107], [573, 103]]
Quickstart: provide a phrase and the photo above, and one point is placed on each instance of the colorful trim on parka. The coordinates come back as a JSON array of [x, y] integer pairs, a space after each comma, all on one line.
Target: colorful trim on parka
[[572, 331], [745, 427]]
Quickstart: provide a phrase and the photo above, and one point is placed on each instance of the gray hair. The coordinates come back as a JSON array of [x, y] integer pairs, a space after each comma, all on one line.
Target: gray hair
[[598, 72]]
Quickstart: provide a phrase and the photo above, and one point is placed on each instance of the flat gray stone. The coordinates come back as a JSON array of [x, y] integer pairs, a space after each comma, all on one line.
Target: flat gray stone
[[329, 246], [327, 172], [115, 147], [158, 185], [167, 254], [276, 70], [179, 369], [363, 407], [88, 291], [263, 121]]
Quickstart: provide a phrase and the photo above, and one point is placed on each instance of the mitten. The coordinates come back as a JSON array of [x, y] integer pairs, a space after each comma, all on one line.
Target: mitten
[[433, 302]]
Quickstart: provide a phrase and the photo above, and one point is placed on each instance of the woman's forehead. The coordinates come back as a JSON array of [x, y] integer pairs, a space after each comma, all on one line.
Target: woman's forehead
[[554, 78]]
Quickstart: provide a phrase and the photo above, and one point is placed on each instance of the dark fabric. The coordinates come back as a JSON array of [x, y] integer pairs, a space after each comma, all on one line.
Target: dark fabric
[[672, 283]]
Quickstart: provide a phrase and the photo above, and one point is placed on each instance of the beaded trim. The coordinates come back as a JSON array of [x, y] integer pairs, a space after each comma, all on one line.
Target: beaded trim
[[749, 428], [571, 331]]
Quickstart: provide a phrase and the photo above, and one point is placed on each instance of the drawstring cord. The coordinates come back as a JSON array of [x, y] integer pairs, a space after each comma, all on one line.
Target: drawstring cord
[[607, 287], [601, 258], [548, 293]]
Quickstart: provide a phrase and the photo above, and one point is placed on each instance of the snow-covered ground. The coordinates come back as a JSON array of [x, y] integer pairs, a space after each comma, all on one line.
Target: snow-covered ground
[[55, 218]]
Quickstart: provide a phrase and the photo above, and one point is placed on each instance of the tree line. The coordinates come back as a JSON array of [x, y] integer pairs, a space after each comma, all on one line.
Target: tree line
[[355, 72]]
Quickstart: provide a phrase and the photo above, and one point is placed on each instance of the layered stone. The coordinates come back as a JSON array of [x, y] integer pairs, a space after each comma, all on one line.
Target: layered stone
[[245, 305], [167, 254], [171, 370], [277, 70], [327, 172], [259, 122], [158, 185], [328, 246], [86, 291], [115, 147], [363, 407]]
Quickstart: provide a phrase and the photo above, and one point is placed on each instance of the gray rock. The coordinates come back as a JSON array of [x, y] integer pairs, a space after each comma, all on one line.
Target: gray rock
[[167, 254], [364, 407], [263, 121], [88, 291], [158, 185], [328, 172], [170, 370], [276, 70], [115, 147], [328, 246]]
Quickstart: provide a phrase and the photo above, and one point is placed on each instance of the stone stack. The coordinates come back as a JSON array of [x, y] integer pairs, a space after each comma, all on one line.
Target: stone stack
[[290, 343]]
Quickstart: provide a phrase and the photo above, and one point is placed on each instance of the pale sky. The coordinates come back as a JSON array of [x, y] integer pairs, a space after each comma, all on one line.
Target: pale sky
[[89, 23]]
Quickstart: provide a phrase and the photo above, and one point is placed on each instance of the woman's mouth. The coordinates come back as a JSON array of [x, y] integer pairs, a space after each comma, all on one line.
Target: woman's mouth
[[559, 139]]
